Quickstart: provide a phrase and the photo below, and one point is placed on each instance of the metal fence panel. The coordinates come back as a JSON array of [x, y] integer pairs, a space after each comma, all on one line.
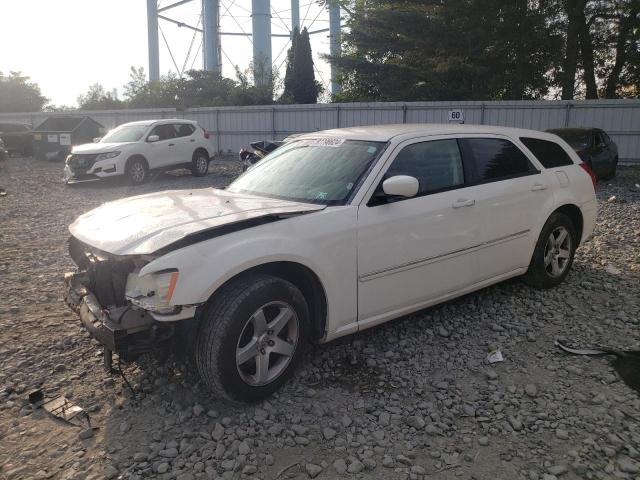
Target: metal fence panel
[[235, 127]]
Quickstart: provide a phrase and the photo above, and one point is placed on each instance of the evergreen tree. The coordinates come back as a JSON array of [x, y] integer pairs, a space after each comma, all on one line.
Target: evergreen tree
[[300, 85]]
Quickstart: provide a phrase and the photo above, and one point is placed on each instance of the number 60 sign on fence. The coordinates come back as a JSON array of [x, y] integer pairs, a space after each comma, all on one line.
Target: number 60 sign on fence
[[456, 116]]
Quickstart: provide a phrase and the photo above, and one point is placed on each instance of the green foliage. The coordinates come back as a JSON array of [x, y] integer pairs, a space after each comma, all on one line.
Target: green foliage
[[98, 99], [300, 85], [454, 50], [18, 94]]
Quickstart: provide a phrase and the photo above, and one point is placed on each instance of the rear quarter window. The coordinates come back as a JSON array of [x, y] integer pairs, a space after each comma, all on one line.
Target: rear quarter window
[[494, 159], [549, 154]]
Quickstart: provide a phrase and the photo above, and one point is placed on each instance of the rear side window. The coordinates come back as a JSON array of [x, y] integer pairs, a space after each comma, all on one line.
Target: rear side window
[[494, 159], [436, 164], [184, 129], [549, 154]]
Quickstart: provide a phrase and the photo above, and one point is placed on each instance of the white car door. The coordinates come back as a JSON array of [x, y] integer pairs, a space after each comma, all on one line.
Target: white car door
[[162, 152], [510, 194], [185, 142], [413, 251]]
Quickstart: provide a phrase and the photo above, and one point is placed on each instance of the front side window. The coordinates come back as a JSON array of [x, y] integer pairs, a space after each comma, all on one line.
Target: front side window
[[549, 154], [325, 171], [436, 164], [495, 159], [164, 132]]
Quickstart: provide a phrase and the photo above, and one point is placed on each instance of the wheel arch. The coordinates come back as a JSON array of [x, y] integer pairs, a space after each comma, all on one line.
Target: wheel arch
[[575, 214], [133, 157], [305, 279], [200, 150]]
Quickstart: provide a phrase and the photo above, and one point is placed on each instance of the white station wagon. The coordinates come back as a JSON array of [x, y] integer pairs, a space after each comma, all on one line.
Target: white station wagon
[[334, 232]]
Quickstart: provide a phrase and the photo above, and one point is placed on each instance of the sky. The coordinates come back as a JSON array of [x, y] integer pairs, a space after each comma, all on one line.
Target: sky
[[67, 45]]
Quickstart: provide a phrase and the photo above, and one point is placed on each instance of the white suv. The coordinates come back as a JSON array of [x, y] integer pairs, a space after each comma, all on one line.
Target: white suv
[[332, 233], [134, 149]]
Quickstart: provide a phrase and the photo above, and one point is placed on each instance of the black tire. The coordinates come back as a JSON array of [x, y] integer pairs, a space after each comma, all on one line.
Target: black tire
[[223, 325], [199, 164], [137, 170], [539, 275], [612, 172]]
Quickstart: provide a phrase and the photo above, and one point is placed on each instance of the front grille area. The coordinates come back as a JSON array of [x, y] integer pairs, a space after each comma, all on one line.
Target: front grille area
[[82, 162], [107, 273]]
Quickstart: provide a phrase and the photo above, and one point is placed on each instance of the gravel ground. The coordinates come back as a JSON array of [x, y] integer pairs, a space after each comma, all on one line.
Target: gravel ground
[[408, 400]]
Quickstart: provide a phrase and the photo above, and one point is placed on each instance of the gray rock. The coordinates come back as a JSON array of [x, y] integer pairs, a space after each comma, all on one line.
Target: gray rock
[[415, 421], [313, 470], [328, 433], [85, 434], [163, 467], [443, 332], [483, 441], [531, 390], [627, 465], [355, 467], [562, 434], [516, 423], [340, 466]]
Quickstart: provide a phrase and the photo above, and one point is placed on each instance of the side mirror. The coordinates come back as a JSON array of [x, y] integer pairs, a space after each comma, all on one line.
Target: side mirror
[[153, 138], [401, 186], [97, 139]]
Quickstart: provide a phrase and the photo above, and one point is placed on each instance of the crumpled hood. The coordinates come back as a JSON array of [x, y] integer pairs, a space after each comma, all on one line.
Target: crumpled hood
[[147, 223], [91, 148]]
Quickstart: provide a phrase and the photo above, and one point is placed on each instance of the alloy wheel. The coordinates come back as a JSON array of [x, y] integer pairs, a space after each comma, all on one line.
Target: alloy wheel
[[267, 343], [557, 252]]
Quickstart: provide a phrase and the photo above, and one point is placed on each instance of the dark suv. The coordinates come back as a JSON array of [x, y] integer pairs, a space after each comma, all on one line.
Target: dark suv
[[17, 137], [594, 147]]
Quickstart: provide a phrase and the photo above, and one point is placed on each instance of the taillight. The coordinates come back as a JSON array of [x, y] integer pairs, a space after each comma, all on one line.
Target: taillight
[[206, 134], [587, 169]]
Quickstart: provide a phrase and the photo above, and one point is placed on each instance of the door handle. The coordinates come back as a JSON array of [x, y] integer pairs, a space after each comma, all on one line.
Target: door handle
[[171, 144], [538, 186], [192, 140], [463, 202]]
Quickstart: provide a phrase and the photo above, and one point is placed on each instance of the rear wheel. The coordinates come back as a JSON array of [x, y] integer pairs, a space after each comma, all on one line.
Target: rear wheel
[[137, 170], [554, 252], [251, 337], [612, 170], [200, 164]]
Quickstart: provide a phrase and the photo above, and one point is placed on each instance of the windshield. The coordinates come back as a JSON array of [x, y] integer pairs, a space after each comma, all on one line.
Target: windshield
[[125, 133], [323, 170], [578, 139]]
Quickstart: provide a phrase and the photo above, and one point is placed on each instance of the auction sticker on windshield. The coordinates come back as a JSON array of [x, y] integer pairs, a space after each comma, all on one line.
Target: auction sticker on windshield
[[323, 142]]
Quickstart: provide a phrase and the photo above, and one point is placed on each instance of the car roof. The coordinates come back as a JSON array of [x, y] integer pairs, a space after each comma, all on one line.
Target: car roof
[[385, 133], [572, 129], [161, 121]]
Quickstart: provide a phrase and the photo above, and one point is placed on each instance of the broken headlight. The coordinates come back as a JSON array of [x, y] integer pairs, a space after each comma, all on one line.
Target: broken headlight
[[153, 291]]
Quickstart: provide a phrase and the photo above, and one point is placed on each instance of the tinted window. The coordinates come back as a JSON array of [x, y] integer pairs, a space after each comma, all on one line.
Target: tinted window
[[549, 154], [606, 137], [184, 129], [437, 165], [165, 132], [495, 159]]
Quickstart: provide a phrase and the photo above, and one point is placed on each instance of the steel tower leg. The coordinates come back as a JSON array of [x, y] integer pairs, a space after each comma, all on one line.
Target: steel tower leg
[[261, 20], [295, 15], [334, 35], [152, 31], [211, 35]]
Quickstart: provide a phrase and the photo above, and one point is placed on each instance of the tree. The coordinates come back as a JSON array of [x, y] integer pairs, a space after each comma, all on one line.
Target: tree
[[98, 99], [454, 50], [18, 94], [300, 85]]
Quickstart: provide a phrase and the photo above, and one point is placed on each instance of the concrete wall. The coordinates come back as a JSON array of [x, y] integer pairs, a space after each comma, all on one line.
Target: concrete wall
[[236, 127]]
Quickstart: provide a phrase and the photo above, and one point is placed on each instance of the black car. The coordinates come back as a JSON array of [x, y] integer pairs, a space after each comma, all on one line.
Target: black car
[[17, 137], [594, 147]]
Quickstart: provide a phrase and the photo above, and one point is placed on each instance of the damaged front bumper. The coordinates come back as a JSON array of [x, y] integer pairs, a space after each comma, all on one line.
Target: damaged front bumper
[[124, 330]]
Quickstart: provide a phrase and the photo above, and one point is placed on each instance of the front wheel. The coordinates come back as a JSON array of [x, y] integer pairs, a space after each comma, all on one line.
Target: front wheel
[[199, 164], [137, 171], [554, 252], [251, 337]]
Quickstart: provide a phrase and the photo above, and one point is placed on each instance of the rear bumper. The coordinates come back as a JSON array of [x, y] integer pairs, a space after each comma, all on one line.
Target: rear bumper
[[589, 214]]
